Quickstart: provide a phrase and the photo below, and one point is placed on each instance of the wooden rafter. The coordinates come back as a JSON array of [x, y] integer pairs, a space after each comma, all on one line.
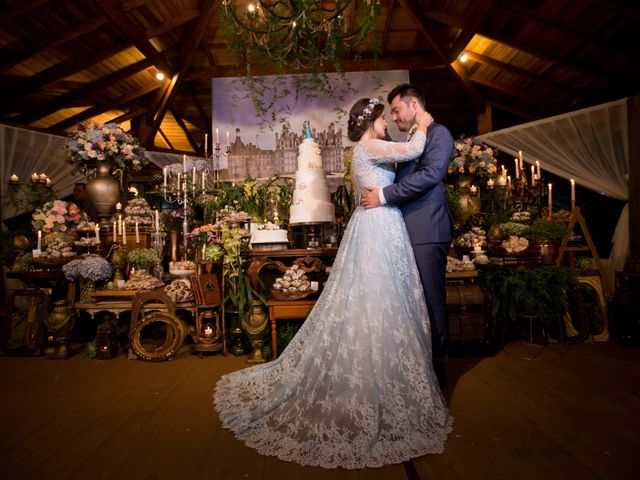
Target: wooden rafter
[[132, 113], [482, 11], [38, 48], [100, 109], [88, 91], [522, 113], [180, 121], [172, 23], [166, 139], [387, 26], [137, 36], [9, 13], [515, 92]]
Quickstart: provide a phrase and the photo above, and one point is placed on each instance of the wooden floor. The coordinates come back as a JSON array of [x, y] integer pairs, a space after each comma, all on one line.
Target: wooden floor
[[528, 413]]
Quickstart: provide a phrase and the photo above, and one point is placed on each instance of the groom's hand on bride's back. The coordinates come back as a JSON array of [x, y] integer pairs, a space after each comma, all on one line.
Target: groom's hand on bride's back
[[370, 198]]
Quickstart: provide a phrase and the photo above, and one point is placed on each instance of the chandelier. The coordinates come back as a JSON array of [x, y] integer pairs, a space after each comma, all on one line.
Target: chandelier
[[303, 34]]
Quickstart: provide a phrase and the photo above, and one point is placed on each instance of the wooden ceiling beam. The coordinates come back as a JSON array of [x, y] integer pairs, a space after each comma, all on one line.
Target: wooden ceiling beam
[[415, 11], [7, 14], [588, 72], [172, 23], [524, 114], [194, 95], [29, 85], [132, 113], [619, 7], [482, 11], [180, 121], [37, 111], [521, 72], [412, 62], [166, 139], [186, 51], [387, 26], [137, 36], [531, 16], [100, 109], [38, 48], [514, 92]]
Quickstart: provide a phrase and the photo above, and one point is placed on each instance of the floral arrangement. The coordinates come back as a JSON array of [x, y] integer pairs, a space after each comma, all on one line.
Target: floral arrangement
[[173, 219], [204, 234], [143, 257], [97, 142], [56, 216], [473, 158], [91, 267], [138, 210], [513, 228]]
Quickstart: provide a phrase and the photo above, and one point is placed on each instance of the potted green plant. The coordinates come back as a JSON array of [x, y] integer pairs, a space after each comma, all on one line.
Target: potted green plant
[[143, 258], [547, 235], [239, 293], [542, 293]]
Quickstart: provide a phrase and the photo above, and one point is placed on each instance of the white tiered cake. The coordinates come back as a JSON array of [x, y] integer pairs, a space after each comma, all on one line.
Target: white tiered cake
[[311, 201]]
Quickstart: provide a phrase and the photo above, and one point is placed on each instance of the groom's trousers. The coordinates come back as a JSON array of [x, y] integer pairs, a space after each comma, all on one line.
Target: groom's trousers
[[432, 265]]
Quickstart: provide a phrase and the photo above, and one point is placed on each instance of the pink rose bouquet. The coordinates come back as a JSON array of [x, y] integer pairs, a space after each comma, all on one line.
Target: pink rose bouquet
[[473, 158], [57, 216]]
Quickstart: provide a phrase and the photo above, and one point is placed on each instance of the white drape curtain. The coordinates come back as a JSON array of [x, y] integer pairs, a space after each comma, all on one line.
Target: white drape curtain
[[24, 152], [590, 145]]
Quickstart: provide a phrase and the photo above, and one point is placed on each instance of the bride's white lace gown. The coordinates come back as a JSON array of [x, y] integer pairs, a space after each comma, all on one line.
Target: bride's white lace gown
[[355, 387]]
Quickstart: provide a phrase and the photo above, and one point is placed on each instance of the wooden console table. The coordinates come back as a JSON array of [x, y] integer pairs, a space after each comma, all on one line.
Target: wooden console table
[[285, 309]]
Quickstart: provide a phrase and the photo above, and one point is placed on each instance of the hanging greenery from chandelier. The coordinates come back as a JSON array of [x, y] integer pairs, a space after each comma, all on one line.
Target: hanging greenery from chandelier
[[299, 34]]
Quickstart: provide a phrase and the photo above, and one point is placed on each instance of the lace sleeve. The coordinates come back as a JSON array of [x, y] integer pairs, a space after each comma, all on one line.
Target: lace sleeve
[[382, 151]]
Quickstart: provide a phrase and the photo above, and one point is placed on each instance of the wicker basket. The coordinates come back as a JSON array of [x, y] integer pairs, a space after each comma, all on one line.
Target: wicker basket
[[278, 295]]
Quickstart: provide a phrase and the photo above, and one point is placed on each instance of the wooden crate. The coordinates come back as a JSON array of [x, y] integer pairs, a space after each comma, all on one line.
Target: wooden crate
[[469, 318]]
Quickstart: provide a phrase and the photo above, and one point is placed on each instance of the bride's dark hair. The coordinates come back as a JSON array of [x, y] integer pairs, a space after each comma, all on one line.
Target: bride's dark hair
[[363, 113]]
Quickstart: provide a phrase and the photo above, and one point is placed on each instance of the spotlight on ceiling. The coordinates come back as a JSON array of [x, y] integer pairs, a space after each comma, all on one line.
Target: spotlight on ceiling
[[160, 76], [464, 58]]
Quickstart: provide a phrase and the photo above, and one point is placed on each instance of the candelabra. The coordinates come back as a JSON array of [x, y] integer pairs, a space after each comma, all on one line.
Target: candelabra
[[518, 195]]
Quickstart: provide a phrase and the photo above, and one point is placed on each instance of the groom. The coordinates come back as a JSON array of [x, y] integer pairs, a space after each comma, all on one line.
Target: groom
[[420, 193]]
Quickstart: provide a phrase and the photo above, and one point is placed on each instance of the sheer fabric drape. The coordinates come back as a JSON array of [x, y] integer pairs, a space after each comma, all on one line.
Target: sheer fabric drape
[[590, 145]]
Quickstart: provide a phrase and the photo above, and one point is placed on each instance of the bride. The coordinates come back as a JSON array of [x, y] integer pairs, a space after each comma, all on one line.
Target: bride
[[355, 387]]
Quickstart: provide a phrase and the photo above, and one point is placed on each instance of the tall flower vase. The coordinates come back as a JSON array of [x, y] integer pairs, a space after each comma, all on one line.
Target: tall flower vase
[[103, 191], [87, 288]]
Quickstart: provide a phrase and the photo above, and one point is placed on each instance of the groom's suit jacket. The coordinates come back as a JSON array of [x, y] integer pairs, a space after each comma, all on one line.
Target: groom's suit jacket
[[422, 197]]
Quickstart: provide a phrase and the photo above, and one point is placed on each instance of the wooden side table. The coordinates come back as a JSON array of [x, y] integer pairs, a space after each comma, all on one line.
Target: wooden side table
[[286, 309]]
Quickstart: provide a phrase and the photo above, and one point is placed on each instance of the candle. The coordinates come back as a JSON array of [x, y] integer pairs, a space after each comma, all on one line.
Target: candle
[[48, 183], [538, 168], [517, 169], [533, 176], [185, 228], [137, 233], [473, 189], [14, 178], [179, 183], [502, 181], [39, 240], [550, 202], [573, 194], [206, 138], [193, 178], [227, 139], [184, 164], [477, 249], [124, 234], [97, 230], [115, 231], [164, 171], [504, 171], [120, 224], [203, 182], [43, 178], [490, 183], [157, 221], [521, 159], [204, 247], [509, 180], [35, 177], [217, 137]]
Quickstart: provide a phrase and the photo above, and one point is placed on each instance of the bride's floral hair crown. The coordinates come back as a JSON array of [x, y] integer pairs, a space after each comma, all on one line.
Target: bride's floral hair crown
[[366, 114]]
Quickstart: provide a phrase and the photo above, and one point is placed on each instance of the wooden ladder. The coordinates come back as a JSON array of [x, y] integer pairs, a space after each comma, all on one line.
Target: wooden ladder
[[576, 217]]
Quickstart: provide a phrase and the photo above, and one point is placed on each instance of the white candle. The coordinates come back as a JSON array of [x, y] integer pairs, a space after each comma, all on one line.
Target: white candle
[[115, 231], [193, 178], [217, 137], [14, 178], [185, 228], [184, 163], [538, 168], [502, 181], [206, 137], [164, 171], [203, 182], [533, 176], [179, 182], [473, 189], [550, 201], [490, 182], [504, 171], [157, 221], [119, 224], [97, 230], [39, 240], [509, 180], [118, 206], [521, 160], [573, 193], [137, 233], [477, 249], [517, 169], [35, 177], [124, 233], [227, 139]]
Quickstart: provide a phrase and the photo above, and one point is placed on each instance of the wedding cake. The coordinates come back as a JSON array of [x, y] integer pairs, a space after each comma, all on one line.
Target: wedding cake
[[311, 201], [268, 236]]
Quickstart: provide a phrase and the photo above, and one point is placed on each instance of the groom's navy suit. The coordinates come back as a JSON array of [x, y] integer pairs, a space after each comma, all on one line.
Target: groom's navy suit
[[419, 191]]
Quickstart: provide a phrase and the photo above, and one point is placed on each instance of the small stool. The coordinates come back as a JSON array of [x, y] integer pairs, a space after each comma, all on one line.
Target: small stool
[[286, 309]]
